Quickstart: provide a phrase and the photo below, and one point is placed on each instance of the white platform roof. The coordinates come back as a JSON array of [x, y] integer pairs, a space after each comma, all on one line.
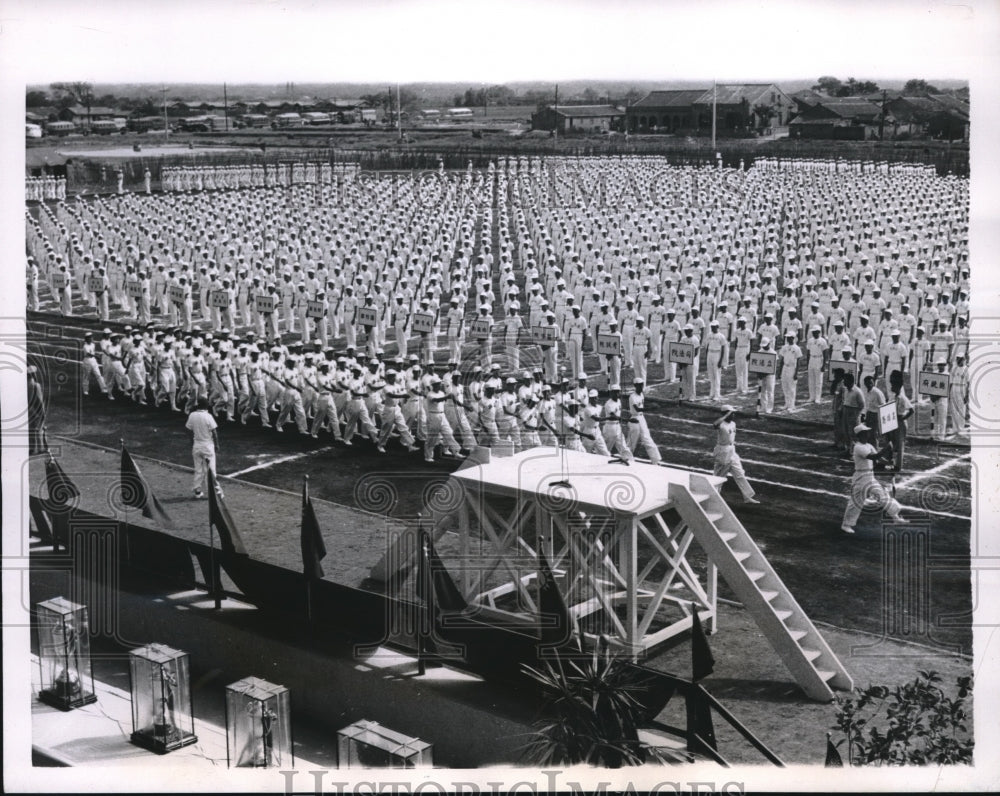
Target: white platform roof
[[597, 485]]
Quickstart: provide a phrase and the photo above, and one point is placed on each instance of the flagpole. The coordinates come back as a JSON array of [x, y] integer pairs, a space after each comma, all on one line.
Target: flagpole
[[211, 544], [309, 575], [121, 441], [422, 572]]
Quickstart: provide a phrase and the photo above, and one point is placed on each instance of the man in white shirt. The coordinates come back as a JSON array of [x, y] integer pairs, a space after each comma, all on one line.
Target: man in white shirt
[[864, 487], [203, 427], [727, 461]]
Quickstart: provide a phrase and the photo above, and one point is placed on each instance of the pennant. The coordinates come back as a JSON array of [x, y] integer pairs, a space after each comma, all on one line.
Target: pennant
[[700, 728], [41, 523], [551, 605], [136, 493], [62, 491], [219, 516], [702, 660], [313, 547], [833, 759]]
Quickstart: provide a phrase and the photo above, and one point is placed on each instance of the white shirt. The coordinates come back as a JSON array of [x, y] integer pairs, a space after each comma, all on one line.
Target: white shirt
[[201, 424]]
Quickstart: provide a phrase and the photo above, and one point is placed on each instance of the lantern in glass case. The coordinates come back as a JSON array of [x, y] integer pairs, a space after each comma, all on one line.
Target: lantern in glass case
[[258, 727], [67, 679], [367, 744], [162, 715]]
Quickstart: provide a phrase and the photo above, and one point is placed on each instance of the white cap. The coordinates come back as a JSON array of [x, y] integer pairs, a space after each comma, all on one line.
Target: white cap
[[861, 427]]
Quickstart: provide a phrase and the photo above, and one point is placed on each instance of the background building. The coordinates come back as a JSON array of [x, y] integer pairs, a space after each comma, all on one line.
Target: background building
[[578, 118]]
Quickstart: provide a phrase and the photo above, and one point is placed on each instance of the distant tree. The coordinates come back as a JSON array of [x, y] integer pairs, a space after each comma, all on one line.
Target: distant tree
[[828, 85], [762, 114], [107, 100], [77, 93], [853, 88], [633, 95], [36, 99], [590, 96], [917, 86]]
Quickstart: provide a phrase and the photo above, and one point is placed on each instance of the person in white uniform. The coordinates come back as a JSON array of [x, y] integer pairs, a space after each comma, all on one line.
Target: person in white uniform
[[865, 489], [205, 445], [638, 430], [727, 461]]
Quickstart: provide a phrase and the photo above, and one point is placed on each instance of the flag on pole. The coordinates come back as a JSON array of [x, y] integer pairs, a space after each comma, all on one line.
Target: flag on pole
[[551, 605], [446, 595], [61, 490], [219, 516], [702, 660], [313, 547], [137, 494], [833, 758]]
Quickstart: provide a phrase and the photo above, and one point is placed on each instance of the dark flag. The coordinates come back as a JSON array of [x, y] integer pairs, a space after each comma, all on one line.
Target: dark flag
[[833, 759], [62, 495], [313, 547], [137, 494], [552, 606], [62, 491], [702, 660], [219, 516], [700, 728], [41, 522]]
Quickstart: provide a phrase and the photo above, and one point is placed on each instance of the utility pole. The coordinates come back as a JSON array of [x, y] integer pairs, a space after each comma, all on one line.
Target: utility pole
[[166, 124], [555, 115], [399, 114], [881, 120], [715, 94], [225, 104]]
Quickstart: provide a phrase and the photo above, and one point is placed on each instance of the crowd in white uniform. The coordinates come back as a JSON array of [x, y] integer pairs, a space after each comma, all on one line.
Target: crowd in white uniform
[[813, 263], [253, 175], [46, 188]]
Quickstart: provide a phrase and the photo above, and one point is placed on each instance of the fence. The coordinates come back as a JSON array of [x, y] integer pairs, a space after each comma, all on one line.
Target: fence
[[93, 175]]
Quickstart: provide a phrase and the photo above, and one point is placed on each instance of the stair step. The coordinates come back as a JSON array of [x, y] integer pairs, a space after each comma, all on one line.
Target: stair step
[[797, 634], [770, 595], [727, 535], [755, 574], [811, 655], [741, 555], [783, 614], [700, 497], [825, 675], [714, 516]]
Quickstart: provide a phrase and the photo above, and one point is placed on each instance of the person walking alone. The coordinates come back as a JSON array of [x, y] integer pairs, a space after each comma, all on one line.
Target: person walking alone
[[203, 427], [727, 461]]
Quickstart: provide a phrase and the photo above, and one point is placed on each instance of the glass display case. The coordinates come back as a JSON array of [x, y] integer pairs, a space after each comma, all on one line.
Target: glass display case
[[162, 715], [258, 724], [367, 744], [67, 680]]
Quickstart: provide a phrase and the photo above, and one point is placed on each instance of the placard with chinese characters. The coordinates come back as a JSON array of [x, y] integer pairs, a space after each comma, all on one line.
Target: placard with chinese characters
[[887, 420], [764, 363], [681, 353], [610, 345], [423, 322], [481, 328], [931, 383]]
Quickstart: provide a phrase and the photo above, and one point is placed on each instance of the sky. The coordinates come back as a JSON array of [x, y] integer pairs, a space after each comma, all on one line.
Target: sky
[[445, 40]]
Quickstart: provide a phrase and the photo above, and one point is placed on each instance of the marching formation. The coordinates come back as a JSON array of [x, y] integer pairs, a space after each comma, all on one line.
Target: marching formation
[[508, 305], [251, 175], [46, 188], [328, 395]]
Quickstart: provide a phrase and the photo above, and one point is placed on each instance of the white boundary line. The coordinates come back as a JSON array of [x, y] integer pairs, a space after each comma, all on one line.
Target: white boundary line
[[279, 460], [912, 479]]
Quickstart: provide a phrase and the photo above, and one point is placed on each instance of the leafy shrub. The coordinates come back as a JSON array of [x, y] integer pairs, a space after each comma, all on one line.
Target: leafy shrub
[[912, 724]]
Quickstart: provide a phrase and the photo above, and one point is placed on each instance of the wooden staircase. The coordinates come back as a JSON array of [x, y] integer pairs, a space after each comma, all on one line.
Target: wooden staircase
[[787, 627]]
